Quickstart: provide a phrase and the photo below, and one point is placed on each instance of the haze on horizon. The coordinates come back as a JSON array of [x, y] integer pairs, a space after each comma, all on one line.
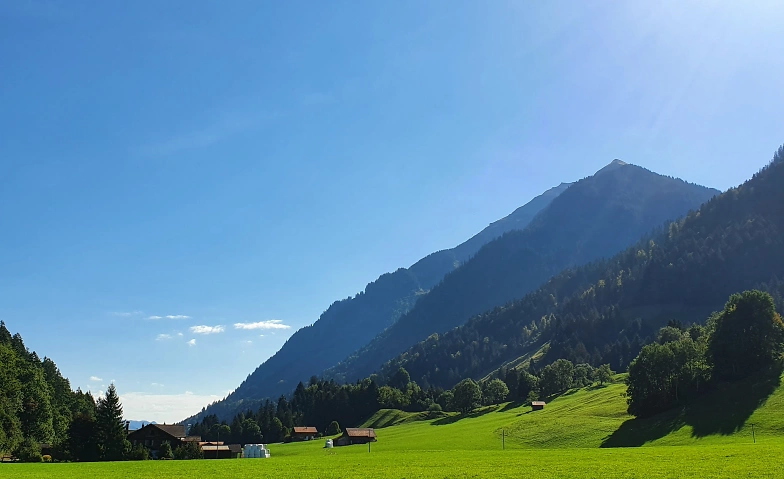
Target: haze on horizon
[[186, 184]]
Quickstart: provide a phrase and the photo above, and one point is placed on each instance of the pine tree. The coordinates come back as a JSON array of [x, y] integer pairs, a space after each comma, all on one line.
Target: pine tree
[[111, 430]]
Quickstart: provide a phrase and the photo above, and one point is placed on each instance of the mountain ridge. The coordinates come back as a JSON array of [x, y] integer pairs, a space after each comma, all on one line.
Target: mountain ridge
[[381, 303], [595, 217]]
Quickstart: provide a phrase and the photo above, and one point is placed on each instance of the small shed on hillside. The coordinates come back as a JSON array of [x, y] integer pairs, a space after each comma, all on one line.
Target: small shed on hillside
[[356, 436], [304, 433], [538, 405]]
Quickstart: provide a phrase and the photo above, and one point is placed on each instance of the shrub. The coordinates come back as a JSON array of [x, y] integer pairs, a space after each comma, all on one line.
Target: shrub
[[165, 452], [333, 429], [29, 451], [138, 453], [189, 450]]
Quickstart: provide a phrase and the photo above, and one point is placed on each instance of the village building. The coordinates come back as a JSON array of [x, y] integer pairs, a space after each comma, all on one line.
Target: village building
[[538, 405], [221, 451], [356, 436], [304, 434], [152, 436]]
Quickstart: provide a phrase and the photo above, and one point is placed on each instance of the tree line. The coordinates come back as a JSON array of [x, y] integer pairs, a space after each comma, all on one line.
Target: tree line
[[742, 340], [38, 406]]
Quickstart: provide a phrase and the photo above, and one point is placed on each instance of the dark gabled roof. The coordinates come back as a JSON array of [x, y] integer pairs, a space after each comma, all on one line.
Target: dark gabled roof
[[360, 432], [175, 431], [305, 430]]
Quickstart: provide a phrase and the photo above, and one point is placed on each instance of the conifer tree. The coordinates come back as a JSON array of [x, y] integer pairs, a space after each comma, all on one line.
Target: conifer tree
[[111, 429]]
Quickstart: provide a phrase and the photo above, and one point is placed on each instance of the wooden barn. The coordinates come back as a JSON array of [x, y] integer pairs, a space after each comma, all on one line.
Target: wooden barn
[[221, 451], [538, 405], [356, 436], [304, 433]]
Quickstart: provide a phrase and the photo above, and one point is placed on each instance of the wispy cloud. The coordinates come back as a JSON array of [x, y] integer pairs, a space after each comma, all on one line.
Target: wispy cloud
[[269, 324], [203, 329], [192, 342], [154, 317], [95, 379], [178, 316], [229, 125], [126, 314], [163, 337]]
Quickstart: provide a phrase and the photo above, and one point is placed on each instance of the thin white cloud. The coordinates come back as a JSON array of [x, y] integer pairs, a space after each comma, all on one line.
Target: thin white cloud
[[192, 342], [95, 379], [126, 314], [204, 329], [179, 334], [163, 337], [154, 317], [269, 324], [178, 316], [227, 126]]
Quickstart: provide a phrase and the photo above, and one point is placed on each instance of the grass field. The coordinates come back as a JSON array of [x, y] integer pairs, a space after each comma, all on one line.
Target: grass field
[[584, 433]]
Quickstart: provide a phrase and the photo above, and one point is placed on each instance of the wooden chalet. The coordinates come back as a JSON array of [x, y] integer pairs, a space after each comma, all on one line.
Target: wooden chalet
[[356, 436], [152, 436], [538, 405], [304, 433]]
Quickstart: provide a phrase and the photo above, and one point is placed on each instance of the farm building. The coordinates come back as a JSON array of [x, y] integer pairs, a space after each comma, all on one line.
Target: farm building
[[538, 405], [221, 451], [304, 433], [356, 436], [152, 436]]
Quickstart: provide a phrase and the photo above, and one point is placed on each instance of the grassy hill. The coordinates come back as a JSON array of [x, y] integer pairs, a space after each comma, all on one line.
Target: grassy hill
[[595, 417]]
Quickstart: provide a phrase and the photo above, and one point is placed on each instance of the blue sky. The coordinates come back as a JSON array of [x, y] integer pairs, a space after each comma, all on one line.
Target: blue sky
[[170, 170]]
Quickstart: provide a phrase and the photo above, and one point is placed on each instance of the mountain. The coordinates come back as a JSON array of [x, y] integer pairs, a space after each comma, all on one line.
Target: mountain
[[350, 323], [594, 218], [605, 311]]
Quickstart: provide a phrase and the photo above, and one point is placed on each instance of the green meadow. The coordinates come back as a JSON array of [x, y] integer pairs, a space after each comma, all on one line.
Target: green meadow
[[584, 433]]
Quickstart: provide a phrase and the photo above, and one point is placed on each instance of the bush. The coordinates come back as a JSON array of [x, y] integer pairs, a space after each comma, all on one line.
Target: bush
[[138, 453], [189, 450], [29, 451], [435, 407], [165, 452], [333, 429]]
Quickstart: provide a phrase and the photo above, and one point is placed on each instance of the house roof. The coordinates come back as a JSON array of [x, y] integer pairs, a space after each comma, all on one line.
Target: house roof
[[175, 431], [305, 430], [538, 403], [360, 432]]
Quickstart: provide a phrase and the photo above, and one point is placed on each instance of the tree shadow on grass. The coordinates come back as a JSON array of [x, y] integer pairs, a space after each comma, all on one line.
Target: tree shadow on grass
[[724, 411], [513, 405], [459, 417]]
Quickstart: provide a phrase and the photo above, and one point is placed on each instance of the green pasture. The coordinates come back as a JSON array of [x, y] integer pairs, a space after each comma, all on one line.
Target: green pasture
[[584, 433]]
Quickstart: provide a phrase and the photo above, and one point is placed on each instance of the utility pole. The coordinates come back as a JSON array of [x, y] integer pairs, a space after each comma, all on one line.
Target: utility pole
[[753, 437], [503, 439]]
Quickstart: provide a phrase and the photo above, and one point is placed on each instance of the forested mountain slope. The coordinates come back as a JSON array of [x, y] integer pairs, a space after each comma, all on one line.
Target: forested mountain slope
[[351, 323], [602, 312], [594, 218]]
